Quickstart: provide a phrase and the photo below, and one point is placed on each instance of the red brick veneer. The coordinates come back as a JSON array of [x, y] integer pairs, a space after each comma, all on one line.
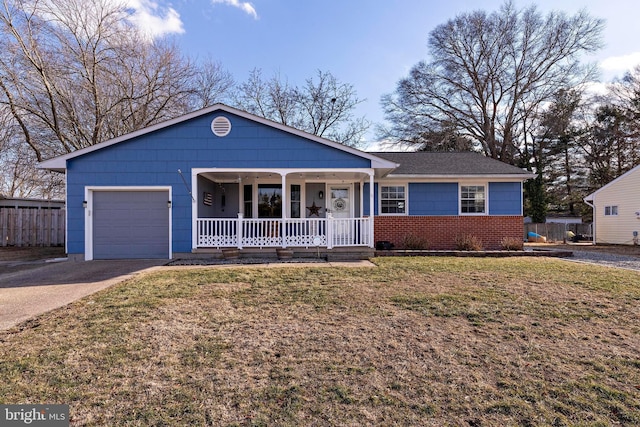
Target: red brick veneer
[[441, 232]]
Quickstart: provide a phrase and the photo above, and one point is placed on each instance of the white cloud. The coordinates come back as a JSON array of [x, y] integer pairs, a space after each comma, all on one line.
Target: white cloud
[[153, 20], [621, 63], [245, 6]]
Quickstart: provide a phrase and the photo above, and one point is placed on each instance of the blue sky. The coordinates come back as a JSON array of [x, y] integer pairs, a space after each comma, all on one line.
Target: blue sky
[[369, 44]]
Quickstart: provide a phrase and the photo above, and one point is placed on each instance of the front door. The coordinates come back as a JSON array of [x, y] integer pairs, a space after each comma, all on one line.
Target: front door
[[340, 201], [340, 204]]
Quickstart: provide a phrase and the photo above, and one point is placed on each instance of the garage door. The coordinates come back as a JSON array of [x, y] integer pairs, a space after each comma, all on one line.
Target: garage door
[[130, 224]]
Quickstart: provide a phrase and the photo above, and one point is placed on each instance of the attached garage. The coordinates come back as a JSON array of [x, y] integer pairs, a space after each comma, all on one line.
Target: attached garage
[[127, 224]]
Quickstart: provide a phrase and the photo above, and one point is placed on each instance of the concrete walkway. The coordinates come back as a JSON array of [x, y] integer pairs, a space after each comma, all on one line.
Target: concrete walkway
[[30, 292]]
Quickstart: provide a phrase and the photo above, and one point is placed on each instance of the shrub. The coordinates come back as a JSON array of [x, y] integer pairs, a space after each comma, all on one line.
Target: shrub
[[511, 244], [468, 242], [413, 242]]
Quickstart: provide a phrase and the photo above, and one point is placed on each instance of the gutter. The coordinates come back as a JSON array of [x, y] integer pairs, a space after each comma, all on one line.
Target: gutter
[[593, 226], [519, 177]]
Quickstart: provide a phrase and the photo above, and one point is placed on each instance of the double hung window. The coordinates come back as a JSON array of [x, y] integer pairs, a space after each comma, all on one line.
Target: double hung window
[[393, 199], [611, 211], [472, 199]]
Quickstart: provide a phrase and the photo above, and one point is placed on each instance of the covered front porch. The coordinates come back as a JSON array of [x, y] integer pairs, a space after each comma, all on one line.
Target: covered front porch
[[282, 208]]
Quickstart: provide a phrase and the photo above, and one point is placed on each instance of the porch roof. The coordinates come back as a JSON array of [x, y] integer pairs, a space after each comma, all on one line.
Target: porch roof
[[239, 175]]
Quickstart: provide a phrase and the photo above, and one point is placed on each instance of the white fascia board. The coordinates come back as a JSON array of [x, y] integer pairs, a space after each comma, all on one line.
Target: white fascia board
[[591, 196], [492, 178], [284, 171]]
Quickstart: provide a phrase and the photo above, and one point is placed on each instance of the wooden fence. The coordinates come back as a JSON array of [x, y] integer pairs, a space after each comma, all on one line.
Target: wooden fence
[[558, 232], [32, 227]]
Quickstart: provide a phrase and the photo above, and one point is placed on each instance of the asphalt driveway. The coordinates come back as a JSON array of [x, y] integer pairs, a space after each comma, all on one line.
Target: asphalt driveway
[[46, 286]]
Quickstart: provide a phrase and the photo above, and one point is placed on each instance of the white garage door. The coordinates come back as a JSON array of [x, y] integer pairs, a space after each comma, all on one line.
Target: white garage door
[[130, 224]]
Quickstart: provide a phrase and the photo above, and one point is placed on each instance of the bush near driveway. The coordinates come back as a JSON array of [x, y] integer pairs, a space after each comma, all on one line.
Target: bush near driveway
[[414, 341]]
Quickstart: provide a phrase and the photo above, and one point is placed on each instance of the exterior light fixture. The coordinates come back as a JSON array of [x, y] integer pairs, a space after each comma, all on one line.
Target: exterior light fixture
[[169, 204], [84, 204]]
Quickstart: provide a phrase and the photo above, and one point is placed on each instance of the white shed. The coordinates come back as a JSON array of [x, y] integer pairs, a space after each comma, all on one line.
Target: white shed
[[616, 210]]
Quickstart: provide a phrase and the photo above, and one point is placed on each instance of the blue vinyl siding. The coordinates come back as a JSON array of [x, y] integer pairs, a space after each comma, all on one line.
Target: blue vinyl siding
[[433, 198], [365, 199], [154, 159], [505, 198]]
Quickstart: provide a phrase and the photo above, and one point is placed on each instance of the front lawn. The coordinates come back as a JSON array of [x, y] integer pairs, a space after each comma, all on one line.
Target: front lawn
[[415, 341]]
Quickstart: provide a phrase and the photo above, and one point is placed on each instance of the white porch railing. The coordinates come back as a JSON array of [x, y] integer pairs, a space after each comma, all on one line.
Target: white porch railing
[[291, 232]]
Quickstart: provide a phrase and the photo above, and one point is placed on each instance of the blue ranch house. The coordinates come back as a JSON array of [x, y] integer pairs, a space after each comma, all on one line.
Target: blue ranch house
[[222, 178]]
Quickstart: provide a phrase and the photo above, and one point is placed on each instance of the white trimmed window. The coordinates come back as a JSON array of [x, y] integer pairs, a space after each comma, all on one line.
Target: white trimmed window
[[611, 210], [393, 199], [473, 199]]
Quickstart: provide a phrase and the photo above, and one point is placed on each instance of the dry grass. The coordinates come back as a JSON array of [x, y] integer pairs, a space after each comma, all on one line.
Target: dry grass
[[416, 341]]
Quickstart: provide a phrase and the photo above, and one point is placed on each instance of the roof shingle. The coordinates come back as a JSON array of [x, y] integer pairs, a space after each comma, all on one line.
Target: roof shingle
[[448, 164]]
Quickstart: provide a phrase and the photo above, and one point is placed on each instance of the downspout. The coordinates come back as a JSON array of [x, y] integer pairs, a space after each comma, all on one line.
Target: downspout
[[371, 209], [593, 224]]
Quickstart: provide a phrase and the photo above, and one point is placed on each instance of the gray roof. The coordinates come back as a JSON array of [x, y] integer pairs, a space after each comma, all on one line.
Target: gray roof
[[449, 164]]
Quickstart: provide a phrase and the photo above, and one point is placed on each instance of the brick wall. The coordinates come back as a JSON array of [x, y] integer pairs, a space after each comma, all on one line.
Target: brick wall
[[440, 232]]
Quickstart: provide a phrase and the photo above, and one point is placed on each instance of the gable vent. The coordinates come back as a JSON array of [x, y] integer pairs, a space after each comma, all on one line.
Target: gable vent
[[221, 126]]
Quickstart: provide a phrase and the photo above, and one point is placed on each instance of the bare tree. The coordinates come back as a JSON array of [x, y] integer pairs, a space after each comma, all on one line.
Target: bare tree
[[19, 176], [273, 99], [323, 106], [488, 71], [75, 73], [212, 84]]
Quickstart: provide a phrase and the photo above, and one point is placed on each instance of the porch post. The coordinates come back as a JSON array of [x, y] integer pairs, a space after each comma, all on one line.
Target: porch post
[[241, 196], [194, 210], [283, 221], [329, 230], [371, 210]]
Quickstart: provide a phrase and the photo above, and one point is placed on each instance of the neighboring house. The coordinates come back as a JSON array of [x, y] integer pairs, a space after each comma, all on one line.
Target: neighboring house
[[563, 219], [557, 219], [616, 210], [223, 178]]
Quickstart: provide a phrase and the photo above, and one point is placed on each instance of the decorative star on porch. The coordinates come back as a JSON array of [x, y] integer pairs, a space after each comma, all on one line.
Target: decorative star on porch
[[314, 210]]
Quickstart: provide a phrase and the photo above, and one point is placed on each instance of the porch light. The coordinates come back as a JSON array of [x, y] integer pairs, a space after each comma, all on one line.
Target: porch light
[[84, 204], [169, 204], [320, 194]]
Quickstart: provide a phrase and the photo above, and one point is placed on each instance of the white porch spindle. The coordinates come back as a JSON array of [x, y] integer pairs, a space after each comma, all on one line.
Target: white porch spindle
[[274, 232]]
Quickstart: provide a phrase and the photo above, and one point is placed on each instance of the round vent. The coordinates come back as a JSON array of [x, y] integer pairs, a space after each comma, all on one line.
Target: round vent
[[221, 126]]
